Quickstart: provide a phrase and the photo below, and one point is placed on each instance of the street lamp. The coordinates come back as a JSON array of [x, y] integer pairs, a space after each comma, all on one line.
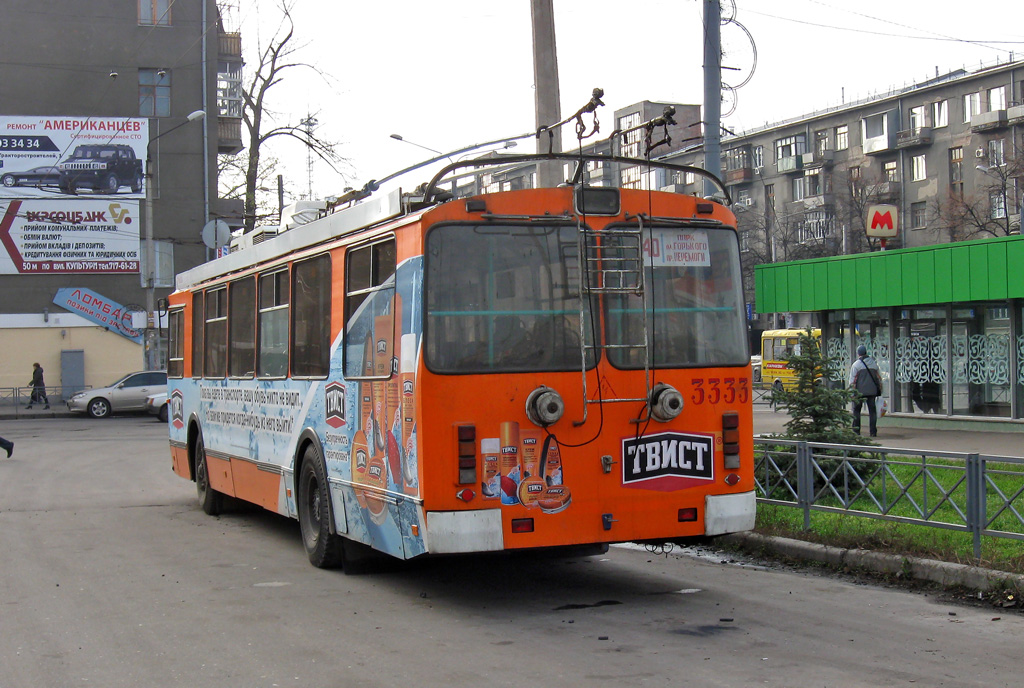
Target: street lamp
[[399, 137], [149, 275]]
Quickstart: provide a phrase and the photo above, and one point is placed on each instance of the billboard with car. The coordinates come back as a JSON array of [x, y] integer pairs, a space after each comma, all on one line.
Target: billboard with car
[[48, 157]]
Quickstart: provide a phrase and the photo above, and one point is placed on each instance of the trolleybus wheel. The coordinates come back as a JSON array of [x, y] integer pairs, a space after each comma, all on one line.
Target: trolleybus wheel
[[323, 547], [209, 499]]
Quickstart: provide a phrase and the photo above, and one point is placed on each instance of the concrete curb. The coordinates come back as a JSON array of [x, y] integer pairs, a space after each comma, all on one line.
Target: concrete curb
[[943, 573]]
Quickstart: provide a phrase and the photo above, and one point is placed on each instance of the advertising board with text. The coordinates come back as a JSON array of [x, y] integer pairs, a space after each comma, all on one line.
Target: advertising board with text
[[69, 236], [64, 156]]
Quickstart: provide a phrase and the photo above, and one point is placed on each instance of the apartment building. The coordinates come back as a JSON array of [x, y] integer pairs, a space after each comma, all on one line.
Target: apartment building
[[112, 113]]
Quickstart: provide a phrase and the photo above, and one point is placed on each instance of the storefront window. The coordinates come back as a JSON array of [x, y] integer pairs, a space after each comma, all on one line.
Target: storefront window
[[871, 329], [981, 360], [920, 361]]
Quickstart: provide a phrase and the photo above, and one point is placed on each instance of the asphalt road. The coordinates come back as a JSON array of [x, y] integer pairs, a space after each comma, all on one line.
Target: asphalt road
[[112, 576]]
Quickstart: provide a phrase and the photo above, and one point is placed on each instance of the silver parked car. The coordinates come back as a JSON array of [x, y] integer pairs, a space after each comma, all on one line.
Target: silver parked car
[[127, 394], [156, 405]]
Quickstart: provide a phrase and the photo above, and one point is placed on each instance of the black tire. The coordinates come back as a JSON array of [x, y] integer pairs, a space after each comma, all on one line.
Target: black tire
[[7, 180], [162, 414], [211, 501], [324, 548], [137, 183], [99, 408], [111, 183]]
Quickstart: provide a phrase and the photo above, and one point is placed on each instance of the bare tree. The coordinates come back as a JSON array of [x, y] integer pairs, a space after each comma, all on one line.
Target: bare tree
[[986, 211], [231, 179], [280, 54]]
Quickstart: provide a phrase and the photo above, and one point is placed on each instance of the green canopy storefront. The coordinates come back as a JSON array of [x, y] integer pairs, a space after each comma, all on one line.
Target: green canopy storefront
[[944, 322]]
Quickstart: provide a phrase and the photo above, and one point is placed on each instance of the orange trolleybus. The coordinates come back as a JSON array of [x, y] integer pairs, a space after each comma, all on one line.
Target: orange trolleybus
[[420, 374]]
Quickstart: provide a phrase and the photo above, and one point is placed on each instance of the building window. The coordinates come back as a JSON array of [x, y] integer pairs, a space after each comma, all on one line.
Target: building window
[[812, 183], [737, 158], [874, 126], [743, 197], [940, 114], [972, 106], [918, 173], [997, 202], [918, 215], [956, 169], [820, 142], [995, 153], [917, 119], [154, 93], [689, 177], [630, 142], [817, 226], [769, 196], [790, 146], [758, 157], [155, 12], [842, 137], [997, 98], [798, 189], [890, 171]]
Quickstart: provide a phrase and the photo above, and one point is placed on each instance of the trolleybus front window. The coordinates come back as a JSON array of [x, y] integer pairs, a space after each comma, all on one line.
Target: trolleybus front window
[[504, 298], [693, 299]]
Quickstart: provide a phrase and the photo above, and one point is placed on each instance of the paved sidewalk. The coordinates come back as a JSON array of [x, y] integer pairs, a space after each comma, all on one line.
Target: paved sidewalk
[[897, 432]]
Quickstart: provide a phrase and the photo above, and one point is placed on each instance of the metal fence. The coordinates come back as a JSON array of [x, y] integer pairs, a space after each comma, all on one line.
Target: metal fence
[[972, 493], [17, 398]]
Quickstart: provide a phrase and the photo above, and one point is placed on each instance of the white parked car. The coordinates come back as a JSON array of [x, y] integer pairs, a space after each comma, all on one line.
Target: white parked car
[[127, 394], [156, 405]]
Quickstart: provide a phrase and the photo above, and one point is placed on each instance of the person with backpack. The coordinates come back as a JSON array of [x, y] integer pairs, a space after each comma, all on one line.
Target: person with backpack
[[865, 380]]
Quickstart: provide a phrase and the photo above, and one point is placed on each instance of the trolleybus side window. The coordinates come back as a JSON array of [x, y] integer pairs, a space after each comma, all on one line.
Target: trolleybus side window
[[369, 309], [311, 317], [692, 298], [176, 343], [198, 322], [273, 325], [242, 326], [504, 298], [216, 348]]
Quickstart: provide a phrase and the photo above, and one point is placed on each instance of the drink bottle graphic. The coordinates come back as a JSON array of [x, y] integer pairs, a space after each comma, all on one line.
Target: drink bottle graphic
[[392, 424], [490, 486], [408, 377], [508, 463]]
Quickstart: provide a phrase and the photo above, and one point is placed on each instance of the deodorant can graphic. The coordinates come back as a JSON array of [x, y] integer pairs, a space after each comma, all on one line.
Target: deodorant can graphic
[[508, 464]]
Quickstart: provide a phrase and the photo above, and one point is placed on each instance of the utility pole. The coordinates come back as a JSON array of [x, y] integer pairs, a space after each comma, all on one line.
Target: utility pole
[[712, 92], [547, 98]]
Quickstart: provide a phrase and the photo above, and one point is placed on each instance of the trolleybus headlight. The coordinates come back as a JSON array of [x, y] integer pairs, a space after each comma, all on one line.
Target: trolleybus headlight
[[666, 402], [544, 406]]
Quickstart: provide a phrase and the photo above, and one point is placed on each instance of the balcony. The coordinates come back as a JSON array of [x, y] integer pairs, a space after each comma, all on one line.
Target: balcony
[[229, 135], [827, 201], [882, 190], [739, 176], [794, 163], [988, 121], [823, 158], [911, 138], [229, 45], [1015, 115]]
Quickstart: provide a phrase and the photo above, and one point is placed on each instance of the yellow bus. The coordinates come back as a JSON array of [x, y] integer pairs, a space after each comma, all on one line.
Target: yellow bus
[[777, 347]]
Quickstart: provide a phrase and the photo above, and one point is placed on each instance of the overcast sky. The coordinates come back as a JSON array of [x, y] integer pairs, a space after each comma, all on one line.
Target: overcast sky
[[450, 74]]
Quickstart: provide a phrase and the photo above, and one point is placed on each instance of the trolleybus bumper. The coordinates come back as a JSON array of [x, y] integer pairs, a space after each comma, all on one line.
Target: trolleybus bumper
[[451, 532], [731, 513]]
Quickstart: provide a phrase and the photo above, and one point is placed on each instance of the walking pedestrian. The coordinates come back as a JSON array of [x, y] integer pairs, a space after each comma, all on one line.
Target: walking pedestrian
[[865, 382], [8, 445], [38, 387]]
